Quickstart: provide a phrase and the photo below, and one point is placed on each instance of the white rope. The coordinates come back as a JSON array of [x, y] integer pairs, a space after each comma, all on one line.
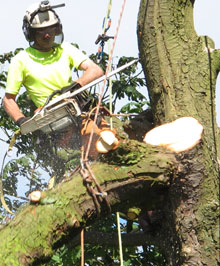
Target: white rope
[[119, 239]]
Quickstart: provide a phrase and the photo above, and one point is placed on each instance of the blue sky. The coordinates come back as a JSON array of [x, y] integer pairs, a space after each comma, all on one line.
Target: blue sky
[[82, 22]]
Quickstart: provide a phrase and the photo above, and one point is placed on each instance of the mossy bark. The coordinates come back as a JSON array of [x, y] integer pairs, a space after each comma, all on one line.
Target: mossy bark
[[38, 229], [181, 70]]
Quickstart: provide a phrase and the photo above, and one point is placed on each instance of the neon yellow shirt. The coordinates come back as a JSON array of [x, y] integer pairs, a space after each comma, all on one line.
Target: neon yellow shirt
[[41, 73]]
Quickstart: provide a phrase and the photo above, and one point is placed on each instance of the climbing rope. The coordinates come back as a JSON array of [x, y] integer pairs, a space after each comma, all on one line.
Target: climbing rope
[[86, 171], [104, 82], [102, 39], [82, 247], [88, 180], [105, 27], [119, 239]]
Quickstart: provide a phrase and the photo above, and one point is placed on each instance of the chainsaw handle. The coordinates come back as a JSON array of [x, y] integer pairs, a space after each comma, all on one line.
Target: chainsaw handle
[[52, 94]]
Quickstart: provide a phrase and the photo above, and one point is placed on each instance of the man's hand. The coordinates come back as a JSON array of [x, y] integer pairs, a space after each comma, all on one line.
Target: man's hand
[[21, 120]]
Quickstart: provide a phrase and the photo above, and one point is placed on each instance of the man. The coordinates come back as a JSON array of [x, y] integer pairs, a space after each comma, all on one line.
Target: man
[[46, 65]]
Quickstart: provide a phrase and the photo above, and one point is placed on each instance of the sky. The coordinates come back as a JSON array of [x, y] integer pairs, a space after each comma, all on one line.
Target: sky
[[82, 22]]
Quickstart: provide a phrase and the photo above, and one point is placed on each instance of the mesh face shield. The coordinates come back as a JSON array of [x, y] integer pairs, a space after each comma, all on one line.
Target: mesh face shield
[[54, 30]]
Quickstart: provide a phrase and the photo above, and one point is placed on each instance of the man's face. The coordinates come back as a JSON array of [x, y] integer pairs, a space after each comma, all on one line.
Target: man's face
[[44, 38]]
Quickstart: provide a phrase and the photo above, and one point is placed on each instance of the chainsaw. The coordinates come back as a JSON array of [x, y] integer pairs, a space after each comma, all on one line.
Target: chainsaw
[[63, 110]]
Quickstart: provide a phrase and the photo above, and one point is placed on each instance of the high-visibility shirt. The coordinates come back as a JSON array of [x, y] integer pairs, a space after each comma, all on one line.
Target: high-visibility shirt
[[42, 73]]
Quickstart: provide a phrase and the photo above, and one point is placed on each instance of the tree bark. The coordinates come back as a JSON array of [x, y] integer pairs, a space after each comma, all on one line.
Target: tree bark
[[181, 70]]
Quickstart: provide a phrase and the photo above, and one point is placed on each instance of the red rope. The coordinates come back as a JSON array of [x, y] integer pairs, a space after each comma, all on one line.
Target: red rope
[[104, 83]]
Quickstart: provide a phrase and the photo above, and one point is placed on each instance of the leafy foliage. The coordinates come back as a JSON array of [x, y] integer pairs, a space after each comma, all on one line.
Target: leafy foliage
[[125, 84], [106, 255]]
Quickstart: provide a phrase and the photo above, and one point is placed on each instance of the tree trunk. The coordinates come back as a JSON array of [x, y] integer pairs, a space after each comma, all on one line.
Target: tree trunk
[[181, 70]]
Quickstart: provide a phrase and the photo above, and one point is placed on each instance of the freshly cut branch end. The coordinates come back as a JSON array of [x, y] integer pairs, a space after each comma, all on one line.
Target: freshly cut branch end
[[35, 196], [108, 136], [179, 135], [107, 141]]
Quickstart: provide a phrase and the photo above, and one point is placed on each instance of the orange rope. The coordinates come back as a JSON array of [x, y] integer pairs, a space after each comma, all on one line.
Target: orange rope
[[104, 83], [82, 247]]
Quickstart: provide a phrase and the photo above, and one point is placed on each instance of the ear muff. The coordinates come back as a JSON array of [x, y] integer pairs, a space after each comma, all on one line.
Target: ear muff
[[26, 29], [58, 29]]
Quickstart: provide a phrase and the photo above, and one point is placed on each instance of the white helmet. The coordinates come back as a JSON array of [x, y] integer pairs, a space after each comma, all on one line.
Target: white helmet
[[40, 15]]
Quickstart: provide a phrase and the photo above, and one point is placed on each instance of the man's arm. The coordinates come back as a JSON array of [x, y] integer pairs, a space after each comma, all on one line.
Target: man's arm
[[92, 72], [11, 107]]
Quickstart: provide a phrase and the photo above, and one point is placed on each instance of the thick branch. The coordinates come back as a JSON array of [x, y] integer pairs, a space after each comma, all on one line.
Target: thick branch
[[36, 229]]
